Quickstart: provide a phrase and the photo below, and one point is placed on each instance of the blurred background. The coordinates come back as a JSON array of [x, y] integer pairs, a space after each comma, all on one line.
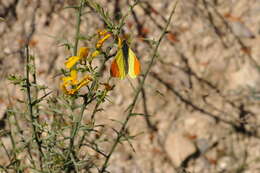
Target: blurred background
[[202, 95]]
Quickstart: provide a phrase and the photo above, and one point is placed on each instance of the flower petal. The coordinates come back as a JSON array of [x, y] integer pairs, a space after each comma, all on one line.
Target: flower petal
[[66, 80], [102, 32], [74, 75], [83, 52], [93, 55], [71, 61], [84, 82], [72, 91], [102, 40]]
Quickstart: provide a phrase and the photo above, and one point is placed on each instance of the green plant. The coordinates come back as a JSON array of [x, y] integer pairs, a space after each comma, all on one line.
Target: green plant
[[53, 134]]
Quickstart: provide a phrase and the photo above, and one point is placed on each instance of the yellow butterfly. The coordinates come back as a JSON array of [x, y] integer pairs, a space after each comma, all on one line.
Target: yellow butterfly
[[125, 62]]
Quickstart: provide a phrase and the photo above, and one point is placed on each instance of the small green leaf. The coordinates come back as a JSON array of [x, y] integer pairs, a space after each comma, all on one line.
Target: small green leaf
[[17, 80]]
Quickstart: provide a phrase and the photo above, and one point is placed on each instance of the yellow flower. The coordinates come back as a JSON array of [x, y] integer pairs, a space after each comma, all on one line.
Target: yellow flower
[[74, 76], [84, 82], [71, 85], [82, 54], [102, 40], [71, 61], [103, 36], [72, 79], [93, 55], [102, 32]]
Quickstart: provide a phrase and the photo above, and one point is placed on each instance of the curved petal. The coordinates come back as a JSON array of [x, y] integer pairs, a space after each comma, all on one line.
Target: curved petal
[[83, 52], [71, 61], [102, 40]]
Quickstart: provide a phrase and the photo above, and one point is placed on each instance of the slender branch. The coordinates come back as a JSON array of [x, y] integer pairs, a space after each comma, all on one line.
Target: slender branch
[[87, 100], [131, 108], [30, 107], [79, 13], [151, 126], [79, 118], [75, 130]]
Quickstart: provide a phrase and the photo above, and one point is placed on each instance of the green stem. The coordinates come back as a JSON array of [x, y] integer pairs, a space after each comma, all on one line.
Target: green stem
[[79, 13], [76, 128], [14, 149], [78, 120], [30, 107], [87, 100], [131, 108]]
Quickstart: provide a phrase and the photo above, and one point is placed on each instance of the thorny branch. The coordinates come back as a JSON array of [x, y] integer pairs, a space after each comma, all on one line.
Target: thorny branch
[[132, 105]]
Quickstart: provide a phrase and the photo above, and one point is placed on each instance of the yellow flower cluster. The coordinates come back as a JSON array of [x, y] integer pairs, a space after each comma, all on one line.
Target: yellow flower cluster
[[71, 84], [103, 35]]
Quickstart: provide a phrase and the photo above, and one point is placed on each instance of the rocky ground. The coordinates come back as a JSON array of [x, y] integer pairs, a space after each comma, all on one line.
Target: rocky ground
[[202, 92]]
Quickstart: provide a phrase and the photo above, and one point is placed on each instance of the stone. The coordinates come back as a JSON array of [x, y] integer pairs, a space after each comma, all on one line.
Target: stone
[[225, 163], [241, 30], [202, 145], [179, 148], [246, 76], [200, 124]]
